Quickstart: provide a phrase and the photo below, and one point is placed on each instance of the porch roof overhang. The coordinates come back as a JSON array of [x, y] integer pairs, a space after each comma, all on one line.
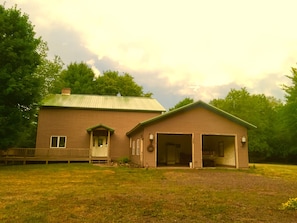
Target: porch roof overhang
[[100, 126], [191, 106]]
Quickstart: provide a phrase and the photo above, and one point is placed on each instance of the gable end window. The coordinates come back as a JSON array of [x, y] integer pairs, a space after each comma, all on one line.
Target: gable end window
[[58, 142]]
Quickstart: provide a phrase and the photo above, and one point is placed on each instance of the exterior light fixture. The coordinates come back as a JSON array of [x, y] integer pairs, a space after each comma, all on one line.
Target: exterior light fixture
[[243, 140], [151, 137], [150, 147]]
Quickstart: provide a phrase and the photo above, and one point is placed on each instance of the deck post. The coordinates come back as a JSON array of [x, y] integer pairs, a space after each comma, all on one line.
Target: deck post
[[6, 157], [25, 156], [91, 145], [108, 147]]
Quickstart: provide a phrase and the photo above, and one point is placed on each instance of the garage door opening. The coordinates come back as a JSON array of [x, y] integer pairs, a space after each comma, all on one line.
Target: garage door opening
[[174, 149], [218, 150]]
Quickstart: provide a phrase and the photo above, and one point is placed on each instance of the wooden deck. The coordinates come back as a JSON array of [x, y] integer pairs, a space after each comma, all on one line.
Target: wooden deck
[[47, 155]]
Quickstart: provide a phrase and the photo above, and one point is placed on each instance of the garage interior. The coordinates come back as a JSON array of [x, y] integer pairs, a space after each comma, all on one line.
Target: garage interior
[[174, 149], [218, 150]]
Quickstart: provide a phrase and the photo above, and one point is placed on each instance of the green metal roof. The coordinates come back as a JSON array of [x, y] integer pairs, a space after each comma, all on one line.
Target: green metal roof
[[190, 106], [103, 102]]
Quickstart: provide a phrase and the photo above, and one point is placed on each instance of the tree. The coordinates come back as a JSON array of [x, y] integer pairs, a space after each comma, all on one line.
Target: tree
[[258, 110], [111, 83], [291, 102], [78, 76], [107, 84], [290, 113], [19, 85], [82, 80], [48, 70], [128, 87], [182, 103]]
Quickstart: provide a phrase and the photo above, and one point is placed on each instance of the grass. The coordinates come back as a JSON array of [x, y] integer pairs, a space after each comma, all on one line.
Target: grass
[[89, 193]]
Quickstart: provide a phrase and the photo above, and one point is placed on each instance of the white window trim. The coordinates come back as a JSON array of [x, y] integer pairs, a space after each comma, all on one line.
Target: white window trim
[[58, 142]]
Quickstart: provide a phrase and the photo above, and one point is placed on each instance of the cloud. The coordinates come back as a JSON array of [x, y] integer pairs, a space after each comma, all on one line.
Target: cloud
[[209, 44], [93, 67]]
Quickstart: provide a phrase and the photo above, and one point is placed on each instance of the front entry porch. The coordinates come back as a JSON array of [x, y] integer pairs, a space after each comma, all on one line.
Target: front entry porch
[[100, 143]]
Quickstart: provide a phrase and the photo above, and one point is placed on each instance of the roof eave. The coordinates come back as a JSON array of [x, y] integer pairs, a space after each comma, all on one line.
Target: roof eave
[[102, 109], [100, 126], [137, 127]]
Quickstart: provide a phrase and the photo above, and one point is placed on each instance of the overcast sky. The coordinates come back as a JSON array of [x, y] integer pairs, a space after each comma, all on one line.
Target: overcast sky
[[175, 49]]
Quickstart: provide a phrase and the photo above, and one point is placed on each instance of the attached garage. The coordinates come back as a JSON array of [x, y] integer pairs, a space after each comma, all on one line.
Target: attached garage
[[197, 135]]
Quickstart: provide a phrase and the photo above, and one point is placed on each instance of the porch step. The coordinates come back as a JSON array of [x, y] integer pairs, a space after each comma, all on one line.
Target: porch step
[[100, 161]]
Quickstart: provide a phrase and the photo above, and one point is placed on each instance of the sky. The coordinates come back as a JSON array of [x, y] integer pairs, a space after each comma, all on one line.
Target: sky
[[175, 49]]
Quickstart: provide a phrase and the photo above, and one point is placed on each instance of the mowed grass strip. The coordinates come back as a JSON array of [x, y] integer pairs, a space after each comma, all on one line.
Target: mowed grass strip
[[90, 193]]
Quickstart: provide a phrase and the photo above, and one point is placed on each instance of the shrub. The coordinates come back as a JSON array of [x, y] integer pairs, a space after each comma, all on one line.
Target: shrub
[[124, 160], [291, 204]]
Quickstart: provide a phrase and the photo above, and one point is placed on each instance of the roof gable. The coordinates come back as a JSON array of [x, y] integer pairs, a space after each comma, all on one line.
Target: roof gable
[[99, 127], [103, 102], [189, 107]]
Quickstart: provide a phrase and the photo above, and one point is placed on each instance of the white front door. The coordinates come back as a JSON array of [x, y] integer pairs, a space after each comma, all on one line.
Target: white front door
[[99, 146]]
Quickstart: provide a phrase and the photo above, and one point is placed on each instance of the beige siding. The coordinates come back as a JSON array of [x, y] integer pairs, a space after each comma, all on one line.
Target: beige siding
[[73, 124], [197, 122], [135, 158]]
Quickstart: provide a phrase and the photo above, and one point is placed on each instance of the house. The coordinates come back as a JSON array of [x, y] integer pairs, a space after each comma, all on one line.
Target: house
[[113, 127], [92, 125]]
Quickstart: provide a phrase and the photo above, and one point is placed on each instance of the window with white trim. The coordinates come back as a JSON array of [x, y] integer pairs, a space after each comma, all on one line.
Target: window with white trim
[[133, 148], [58, 142], [137, 147]]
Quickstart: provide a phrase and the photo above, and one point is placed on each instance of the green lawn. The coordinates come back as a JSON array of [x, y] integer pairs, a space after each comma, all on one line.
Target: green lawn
[[89, 193]]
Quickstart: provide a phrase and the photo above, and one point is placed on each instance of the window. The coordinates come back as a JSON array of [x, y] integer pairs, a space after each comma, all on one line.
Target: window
[[133, 148], [137, 147], [100, 142], [58, 142]]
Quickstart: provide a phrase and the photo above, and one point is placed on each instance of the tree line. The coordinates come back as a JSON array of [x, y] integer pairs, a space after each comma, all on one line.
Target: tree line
[[274, 139], [27, 76]]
